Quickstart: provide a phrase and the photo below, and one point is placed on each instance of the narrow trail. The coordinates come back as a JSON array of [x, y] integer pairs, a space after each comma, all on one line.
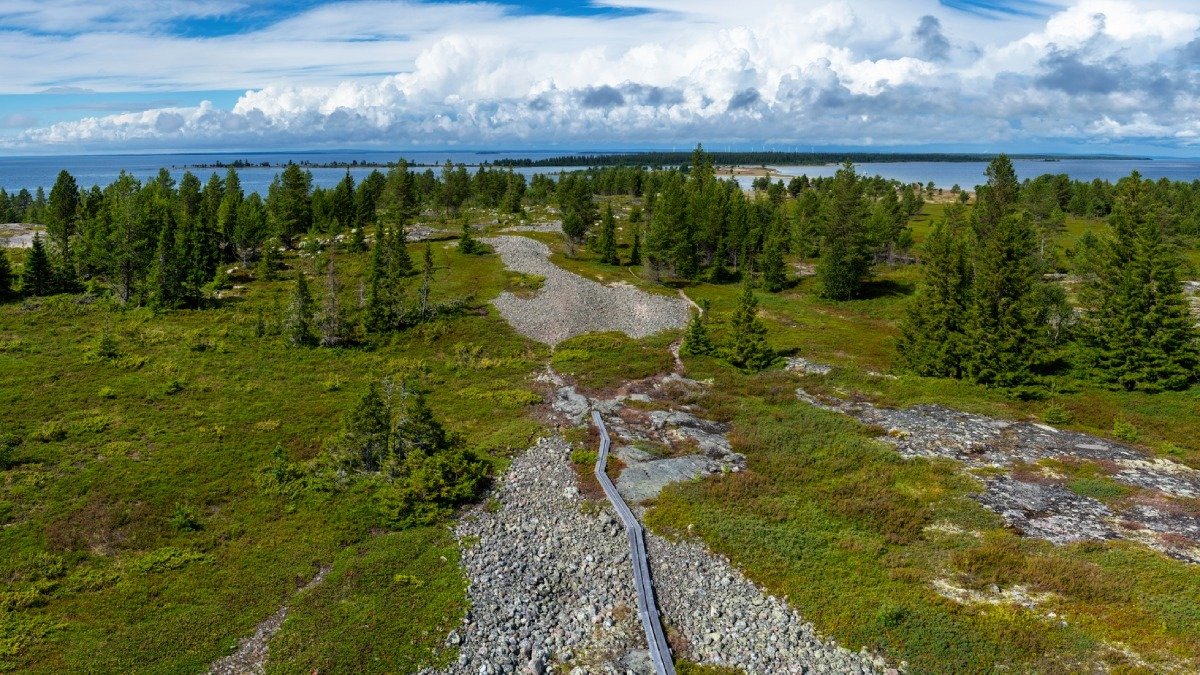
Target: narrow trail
[[660, 651], [251, 656]]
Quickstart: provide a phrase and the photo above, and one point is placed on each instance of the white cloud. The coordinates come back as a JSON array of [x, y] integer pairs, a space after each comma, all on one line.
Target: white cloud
[[802, 72]]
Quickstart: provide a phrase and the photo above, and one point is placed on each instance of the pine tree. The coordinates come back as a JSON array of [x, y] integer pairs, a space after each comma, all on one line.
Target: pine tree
[[6, 276], [1140, 331], [846, 257], [749, 350], [37, 278], [695, 339], [298, 323], [932, 334], [608, 238]]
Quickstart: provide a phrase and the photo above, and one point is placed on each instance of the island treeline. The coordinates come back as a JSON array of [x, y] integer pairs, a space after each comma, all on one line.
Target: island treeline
[[761, 158]]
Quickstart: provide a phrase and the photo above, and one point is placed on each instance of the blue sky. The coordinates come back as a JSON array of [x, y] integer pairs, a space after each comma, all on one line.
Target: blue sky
[[1018, 75]]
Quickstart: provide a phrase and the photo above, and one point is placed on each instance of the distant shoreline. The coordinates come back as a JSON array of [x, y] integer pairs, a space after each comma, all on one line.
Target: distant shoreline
[[747, 160]]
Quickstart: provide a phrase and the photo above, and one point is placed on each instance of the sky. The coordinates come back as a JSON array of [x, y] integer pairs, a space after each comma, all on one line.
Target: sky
[[1074, 76]]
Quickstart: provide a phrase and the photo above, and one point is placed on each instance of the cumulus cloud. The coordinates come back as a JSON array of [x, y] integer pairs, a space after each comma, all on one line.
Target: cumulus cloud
[[858, 72], [933, 44]]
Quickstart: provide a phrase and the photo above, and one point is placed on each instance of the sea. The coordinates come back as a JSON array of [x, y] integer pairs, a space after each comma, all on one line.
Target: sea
[[33, 172]]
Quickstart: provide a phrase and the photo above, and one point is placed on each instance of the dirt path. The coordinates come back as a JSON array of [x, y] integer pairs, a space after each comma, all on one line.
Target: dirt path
[[251, 656]]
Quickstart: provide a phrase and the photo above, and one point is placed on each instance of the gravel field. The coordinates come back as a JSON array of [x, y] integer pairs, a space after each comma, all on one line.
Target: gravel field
[[550, 579], [568, 305]]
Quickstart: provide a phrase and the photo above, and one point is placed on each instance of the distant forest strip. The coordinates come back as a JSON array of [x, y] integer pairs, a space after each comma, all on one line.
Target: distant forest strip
[[306, 164], [761, 158], [773, 158]]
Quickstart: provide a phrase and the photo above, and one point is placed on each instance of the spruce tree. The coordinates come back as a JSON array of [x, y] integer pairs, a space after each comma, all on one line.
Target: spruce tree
[[400, 263], [1140, 331], [167, 276], [298, 323], [331, 321], [37, 278], [846, 256], [749, 350], [426, 283], [608, 238], [635, 249], [6, 276], [1006, 322], [774, 269], [367, 430], [719, 272], [467, 244], [268, 260], [695, 339], [932, 340]]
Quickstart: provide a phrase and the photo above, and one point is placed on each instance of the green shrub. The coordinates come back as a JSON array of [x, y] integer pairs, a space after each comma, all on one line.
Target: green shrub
[[584, 457], [1124, 430], [1056, 414], [184, 519], [1102, 488], [49, 432], [106, 393], [169, 558]]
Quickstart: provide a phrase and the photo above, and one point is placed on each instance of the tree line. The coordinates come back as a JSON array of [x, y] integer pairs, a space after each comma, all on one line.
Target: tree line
[[985, 311]]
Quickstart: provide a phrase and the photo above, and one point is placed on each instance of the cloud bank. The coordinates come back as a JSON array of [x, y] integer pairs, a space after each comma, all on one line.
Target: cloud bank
[[406, 74]]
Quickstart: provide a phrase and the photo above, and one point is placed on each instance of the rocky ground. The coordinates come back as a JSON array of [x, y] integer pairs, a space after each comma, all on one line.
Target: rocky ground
[[18, 235], [550, 579], [551, 586], [1161, 509], [552, 226], [1192, 290], [568, 305]]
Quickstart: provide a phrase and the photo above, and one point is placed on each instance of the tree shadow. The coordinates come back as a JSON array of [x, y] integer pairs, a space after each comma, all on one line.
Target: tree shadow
[[886, 288]]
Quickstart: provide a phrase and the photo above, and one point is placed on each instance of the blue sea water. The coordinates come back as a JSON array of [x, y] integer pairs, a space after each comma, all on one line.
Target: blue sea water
[[88, 170], [32, 172]]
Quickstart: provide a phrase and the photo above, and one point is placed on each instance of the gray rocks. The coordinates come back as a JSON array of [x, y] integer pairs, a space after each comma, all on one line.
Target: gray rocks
[[806, 367], [725, 619], [550, 581], [568, 305], [1040, 504]]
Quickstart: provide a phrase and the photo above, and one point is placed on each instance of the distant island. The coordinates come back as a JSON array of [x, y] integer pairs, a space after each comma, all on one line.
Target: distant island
[[672, 158], [764, 158]]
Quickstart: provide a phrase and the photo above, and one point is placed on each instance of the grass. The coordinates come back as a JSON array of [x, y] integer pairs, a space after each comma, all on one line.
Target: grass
[[603, 361], [837, 522], [188, 413], [386, 606]]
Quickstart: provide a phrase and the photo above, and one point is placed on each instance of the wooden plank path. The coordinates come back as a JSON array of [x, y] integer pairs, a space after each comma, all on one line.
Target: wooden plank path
[[660, 651]]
